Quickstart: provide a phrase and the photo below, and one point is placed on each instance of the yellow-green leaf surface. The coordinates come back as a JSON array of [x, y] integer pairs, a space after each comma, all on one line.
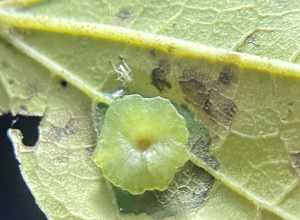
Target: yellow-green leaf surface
[[63, 60]]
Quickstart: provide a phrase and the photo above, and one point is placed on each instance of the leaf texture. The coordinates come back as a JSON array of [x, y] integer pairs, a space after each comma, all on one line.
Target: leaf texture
[[247, 104]]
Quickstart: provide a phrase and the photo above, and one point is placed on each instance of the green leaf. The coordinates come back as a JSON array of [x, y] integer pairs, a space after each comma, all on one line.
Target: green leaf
[[59, 59]]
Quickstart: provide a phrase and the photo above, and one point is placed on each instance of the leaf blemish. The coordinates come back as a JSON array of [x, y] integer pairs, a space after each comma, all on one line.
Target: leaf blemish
[[124, 14], [203, 93], [159, 76], [226, 77], [207, 106], [63, 83], [57, 133], [188, 190]]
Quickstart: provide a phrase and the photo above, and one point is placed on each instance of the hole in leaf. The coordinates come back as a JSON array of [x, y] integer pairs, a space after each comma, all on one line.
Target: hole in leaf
[[15, 198], [28, 125]]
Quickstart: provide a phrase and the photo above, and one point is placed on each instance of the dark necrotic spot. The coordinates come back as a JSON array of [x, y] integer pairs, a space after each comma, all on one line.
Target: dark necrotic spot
[[201, 92], [207, 107], [124, 14], [15, 197], [220, 108], [159, 76], [63, 83], [225, 77], [195, 91], [229, 109], [158, 80]]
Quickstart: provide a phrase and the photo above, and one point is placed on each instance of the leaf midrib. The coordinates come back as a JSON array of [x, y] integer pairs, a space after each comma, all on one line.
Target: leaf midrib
[[177, 47]]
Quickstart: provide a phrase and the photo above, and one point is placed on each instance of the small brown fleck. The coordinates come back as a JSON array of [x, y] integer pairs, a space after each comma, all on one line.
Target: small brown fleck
[[159, 76], [229, 109], [199, 91], [195, 90], [207, 107], [124, 14], [226, 77]]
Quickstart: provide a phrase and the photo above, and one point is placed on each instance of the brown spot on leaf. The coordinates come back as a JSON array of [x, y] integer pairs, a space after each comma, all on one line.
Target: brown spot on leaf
[[159, 76], [226, 77], [203, 93], [195, 90], [229, 109], [207, 106]]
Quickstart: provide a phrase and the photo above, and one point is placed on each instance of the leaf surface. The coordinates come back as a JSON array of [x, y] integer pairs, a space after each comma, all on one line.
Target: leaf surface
[[59, 59]]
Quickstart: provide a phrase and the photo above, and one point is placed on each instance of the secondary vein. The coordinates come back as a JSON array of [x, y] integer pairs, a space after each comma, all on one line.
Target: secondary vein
[[56, 68], [228, 182]]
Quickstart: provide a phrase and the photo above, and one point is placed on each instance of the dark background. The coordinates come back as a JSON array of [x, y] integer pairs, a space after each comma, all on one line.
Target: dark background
[[16, 201]]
